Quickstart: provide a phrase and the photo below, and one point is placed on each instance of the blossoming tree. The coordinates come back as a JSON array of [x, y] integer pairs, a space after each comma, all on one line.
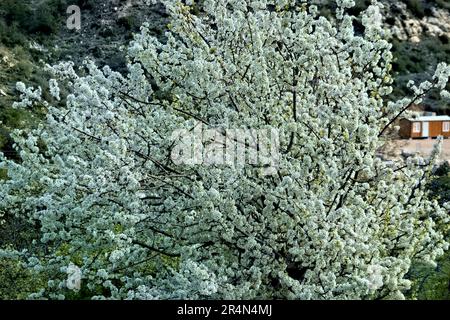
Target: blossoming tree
[[333, 221]]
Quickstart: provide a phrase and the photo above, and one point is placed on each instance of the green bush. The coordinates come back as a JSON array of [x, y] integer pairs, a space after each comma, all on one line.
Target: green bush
[[416, 7], [13, 15], [444, 4], [129, 23], [31, 17], [17, 282], [84, 4], [419, 58], [439, 187], [3, 138], [431, 283], [24, 67], [42, 21], [15, 11], [11, 35]]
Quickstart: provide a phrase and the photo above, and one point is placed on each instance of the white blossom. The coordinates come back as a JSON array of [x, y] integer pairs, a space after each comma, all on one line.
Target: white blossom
[[333, 222], [375, 277], [54, 89]]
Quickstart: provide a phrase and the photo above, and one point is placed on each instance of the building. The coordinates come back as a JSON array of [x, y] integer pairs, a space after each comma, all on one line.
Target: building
[[425, 127]]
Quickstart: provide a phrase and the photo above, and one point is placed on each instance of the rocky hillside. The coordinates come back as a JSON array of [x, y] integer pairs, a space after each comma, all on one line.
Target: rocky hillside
[[34, 33], [420, 32], [107, 26]]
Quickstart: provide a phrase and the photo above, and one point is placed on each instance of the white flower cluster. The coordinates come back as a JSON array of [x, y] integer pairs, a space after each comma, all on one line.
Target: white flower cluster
[[442, 75], [28, 96], [333, 222], [372, 20], [54, 89], [375, 278]]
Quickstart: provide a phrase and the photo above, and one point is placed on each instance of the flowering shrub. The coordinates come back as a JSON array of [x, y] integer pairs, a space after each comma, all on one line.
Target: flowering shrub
[[119, 219]]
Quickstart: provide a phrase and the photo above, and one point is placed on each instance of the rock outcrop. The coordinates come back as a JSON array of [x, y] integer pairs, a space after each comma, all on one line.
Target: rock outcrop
[[406, 26]]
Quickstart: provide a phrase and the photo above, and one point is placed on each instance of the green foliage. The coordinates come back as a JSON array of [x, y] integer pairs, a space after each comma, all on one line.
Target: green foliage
[[11, 35], [3, 174], [418, 58], [15, 11], [42, 21], [130, 23], [416, 7], [21, 21], [106, 32], [408, 56], [443, 170], [431, 283], [3, 141], [17, 282], [444, 4], [117, 62], [43, 17], [24, 67], [84, 4], [440, 185], [16, 118]]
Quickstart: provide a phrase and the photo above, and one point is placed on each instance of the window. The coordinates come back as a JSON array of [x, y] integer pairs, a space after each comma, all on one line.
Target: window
[[446, 126], [416, 127]]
